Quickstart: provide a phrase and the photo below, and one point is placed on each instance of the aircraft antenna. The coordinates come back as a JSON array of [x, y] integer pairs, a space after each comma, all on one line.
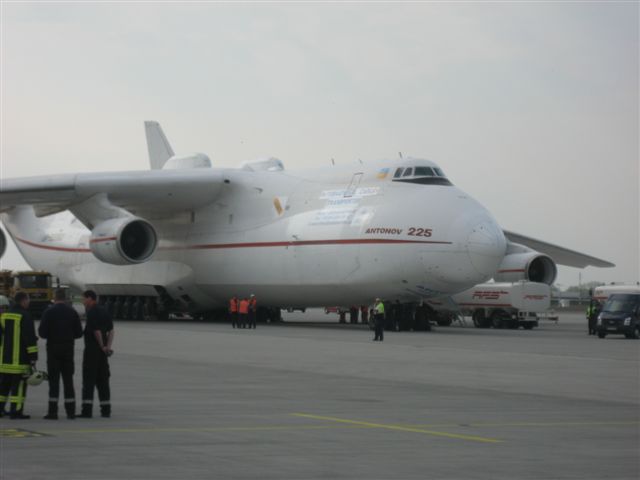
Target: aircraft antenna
[[333, 162], [400, 153]]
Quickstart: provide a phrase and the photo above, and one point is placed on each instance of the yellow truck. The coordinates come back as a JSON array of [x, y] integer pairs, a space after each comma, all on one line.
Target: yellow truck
[[37, 284]]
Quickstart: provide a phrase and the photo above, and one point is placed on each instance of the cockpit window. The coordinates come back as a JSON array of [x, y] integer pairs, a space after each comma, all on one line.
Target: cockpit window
[[421, 175], [424, 172]]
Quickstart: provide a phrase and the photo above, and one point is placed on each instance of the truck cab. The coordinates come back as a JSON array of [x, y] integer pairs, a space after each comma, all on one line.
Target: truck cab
[[620, 315]]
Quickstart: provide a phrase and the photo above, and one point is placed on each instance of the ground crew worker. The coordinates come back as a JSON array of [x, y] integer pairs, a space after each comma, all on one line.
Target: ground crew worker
[[98, 339], [233, 311], [378, 315], [593, 310], [18, 355], [60, 325], [243, 310], [253, 310]]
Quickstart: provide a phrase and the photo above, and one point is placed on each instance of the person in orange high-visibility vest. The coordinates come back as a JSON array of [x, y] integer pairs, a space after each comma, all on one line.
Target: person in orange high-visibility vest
[[243, 309], [233, 311], [252, 311]]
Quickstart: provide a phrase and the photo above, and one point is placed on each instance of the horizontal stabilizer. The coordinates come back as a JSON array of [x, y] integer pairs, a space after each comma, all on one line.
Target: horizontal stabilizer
[[560, 255]]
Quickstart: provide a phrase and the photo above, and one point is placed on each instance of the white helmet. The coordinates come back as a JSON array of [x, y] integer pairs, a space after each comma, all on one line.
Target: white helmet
[[37, 377]]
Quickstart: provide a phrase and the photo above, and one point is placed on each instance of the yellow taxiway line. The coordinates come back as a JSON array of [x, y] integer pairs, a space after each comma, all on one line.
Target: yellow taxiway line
[[400, 428]]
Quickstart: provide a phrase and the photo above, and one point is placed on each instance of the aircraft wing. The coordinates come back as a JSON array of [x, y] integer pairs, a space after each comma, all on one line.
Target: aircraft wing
[[157, 191], [560, 255]]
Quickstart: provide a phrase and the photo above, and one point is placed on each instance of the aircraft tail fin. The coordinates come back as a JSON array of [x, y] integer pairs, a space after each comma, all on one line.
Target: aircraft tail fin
[[159, 148]]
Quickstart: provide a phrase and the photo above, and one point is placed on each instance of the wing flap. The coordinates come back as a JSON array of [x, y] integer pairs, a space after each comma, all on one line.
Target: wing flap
[[560, 255]]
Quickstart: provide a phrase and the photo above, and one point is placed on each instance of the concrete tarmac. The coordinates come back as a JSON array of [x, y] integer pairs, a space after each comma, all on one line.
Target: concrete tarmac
[[204, 401]]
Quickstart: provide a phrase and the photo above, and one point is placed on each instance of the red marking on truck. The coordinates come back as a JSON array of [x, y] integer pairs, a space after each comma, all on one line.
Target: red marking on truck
[[535, 297], [488, 295], [486, 304]]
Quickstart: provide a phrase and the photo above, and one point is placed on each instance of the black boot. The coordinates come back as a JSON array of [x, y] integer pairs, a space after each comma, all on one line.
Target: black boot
[[105, 411], [17, 414], [87, 411], [53, 411], [70, 408]]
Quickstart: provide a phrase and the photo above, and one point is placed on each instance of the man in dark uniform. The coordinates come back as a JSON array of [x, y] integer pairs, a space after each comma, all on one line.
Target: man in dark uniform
[[593, 311], [60, 325], [378, 312], [98, 338], [18, 355]]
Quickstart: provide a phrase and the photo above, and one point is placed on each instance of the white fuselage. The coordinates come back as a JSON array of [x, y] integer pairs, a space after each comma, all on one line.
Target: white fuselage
[[333, 236]]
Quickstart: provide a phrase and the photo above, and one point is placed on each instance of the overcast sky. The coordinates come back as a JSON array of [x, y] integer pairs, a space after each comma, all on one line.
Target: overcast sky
[[532, 108]]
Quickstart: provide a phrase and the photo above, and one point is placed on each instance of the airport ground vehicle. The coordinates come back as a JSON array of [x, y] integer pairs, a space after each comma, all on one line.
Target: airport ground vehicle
[[620, 315], [499, 305], [603, 292], [37, 284]]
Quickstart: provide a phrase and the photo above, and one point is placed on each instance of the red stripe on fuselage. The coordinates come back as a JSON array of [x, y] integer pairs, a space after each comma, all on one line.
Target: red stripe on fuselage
[[213, 246], [105, 239], [303, 243], [51, 247]]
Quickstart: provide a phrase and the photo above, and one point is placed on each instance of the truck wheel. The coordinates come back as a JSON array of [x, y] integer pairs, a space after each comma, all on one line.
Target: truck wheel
[[479, 320], [601, 334], [499, 318], [528, 326], [635, 334]]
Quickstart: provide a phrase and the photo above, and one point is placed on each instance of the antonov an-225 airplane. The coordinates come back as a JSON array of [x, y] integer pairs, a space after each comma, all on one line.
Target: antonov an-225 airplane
[[187, 233]]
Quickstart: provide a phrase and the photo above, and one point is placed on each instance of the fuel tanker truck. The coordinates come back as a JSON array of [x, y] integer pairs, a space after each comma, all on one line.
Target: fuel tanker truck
[[497, 305]]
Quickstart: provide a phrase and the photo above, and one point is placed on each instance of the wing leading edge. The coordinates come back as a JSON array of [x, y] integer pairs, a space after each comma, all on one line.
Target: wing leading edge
[[156, 191], [560, 255]]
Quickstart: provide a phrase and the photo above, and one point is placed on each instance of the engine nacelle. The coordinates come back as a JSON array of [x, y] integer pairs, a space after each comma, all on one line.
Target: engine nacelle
[[123, 241], [528, 265], [3, 243]]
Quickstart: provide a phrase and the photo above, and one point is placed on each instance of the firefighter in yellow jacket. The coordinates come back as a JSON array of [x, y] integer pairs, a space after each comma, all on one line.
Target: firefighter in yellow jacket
[[18, 355]]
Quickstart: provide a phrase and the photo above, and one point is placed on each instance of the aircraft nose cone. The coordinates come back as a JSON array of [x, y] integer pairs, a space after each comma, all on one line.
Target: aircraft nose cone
[[486, 247]]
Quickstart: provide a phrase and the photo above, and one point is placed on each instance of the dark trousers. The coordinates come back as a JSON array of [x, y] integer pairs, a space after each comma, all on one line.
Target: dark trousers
[[60, 363], [379, 319], [234, 319], [13, 388], [95, 374], [243, 320], [252, 319]]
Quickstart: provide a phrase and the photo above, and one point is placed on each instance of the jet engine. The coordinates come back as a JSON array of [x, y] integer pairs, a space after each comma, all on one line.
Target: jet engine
[[522, 263], [3, 243], [123, 241]]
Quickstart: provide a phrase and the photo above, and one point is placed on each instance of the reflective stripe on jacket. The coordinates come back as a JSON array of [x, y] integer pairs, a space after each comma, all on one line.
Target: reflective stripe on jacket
[[18, 342]]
